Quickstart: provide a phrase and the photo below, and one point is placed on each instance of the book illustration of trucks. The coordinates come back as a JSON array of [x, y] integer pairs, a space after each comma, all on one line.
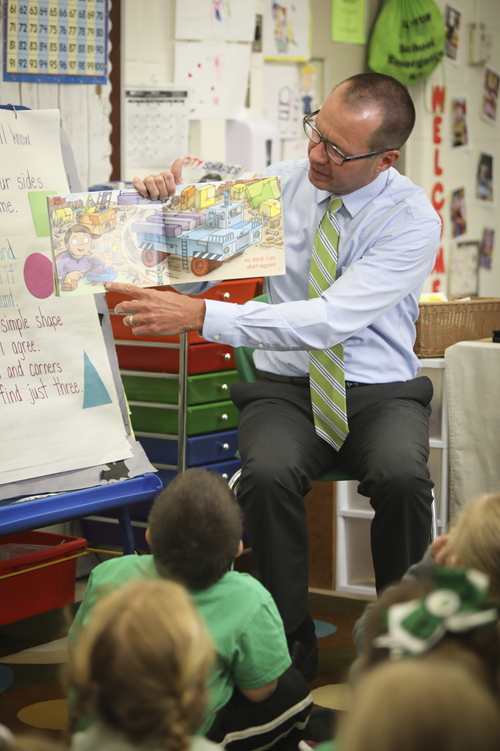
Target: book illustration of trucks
[[204, 241]]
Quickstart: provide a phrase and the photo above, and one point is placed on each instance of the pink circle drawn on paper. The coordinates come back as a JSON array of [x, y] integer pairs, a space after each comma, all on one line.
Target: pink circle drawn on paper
[[39, 276]]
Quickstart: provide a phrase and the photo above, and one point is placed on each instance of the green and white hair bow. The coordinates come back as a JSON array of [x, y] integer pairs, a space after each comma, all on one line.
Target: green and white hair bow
[[457, 604]]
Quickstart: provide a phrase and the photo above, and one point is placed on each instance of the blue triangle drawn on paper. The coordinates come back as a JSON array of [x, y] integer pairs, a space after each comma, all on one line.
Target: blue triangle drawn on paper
[[95, 392]]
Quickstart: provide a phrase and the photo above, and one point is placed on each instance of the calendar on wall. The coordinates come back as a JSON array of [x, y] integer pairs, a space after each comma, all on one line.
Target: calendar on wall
[[156, 127], [55, 41]]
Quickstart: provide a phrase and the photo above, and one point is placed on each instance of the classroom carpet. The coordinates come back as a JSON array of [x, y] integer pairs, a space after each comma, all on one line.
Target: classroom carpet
[[33, 663]]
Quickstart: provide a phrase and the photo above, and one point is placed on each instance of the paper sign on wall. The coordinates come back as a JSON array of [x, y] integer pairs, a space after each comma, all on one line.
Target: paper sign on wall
[[230, 21], [215, 75]]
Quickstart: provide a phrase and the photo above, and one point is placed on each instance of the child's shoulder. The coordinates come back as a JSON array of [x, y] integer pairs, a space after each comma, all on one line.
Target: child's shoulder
[[242, 583], [239, 588], [120, 570]]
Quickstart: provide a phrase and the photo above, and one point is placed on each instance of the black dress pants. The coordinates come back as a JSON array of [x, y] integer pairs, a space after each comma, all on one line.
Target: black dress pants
[[386, 450]]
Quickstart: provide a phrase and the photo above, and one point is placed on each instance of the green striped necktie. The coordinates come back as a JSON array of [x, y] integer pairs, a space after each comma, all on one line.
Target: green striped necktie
[[326, 367]]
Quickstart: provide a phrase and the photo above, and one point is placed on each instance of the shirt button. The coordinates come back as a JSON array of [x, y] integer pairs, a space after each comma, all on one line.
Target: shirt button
[[260, 346], [216, 337]]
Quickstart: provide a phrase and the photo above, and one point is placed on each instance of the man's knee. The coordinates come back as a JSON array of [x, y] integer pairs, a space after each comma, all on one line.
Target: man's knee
[[263, 474], [399, 486]]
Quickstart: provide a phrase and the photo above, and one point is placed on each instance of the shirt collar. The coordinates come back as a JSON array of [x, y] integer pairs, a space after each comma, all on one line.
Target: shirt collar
[[357, 200]]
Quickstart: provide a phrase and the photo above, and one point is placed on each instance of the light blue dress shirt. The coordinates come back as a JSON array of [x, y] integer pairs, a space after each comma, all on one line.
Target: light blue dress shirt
[[389, 235]]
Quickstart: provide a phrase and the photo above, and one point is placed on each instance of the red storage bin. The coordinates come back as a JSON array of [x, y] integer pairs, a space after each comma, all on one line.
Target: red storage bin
[[37, 580], [202, 358]]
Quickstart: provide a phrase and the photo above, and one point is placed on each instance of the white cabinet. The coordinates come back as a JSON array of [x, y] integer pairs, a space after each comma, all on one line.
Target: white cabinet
[[354, 566]]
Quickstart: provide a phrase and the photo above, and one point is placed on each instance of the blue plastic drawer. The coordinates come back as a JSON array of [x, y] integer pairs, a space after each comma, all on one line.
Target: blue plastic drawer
[[201, 449], [226, 469]]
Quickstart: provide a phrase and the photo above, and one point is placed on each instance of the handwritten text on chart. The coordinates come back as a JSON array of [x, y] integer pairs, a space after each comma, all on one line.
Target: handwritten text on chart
[[36, 362], [16, 339], [23, 181]]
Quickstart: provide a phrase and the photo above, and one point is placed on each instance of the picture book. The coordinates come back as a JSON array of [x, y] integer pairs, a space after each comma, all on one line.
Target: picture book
[[207, 231]]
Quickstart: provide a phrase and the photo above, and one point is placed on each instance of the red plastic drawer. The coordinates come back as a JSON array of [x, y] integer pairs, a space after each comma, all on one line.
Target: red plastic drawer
[[202, 358]]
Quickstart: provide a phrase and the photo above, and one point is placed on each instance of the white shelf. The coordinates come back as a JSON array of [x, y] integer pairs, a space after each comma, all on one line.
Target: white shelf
[[354, 565]]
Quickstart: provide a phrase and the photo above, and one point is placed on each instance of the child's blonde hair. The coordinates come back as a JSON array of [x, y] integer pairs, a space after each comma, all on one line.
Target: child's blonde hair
[[414, 705], [475, 539], [142, 663]]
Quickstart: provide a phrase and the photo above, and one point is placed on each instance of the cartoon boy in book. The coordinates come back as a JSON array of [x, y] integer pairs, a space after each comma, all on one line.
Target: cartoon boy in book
[[78, 260]]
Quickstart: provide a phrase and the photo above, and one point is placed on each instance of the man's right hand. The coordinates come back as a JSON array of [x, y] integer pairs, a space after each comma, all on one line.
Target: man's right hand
[[160, 187]]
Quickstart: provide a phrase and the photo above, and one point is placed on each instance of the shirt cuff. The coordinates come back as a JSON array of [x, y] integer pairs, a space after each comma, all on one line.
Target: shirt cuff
[[219, 321]]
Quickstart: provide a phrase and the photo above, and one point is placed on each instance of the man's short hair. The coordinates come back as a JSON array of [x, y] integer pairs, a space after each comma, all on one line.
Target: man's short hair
[[195, 526], [393, 100]]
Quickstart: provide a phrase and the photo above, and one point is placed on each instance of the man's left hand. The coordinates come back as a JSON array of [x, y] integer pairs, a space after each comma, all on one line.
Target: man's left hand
[[158, 313]]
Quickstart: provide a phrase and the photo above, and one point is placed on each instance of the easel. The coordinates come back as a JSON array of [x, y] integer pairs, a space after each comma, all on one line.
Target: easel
[[18, 515]]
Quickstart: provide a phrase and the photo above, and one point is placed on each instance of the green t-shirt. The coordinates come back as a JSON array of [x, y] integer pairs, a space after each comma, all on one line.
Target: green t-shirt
[[240, 615]]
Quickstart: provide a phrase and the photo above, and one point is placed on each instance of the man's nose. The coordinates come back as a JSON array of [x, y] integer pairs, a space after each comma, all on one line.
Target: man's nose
[[318, 151]]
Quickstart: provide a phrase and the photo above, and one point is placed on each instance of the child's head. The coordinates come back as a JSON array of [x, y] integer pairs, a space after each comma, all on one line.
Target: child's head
[[78, 240], [410, 620], [475, 539], [413, 705], [195, 528], [142, 662]]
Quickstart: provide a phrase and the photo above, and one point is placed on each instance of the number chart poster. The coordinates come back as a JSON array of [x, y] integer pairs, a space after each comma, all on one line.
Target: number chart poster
[[55, 41]]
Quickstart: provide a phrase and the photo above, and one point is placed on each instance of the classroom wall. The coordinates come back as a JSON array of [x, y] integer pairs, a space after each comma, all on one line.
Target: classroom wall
[[147, 59], [85, 110], [459, 166]]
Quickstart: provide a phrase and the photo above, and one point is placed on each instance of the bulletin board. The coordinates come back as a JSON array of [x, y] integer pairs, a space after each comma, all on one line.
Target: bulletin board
[[55, 41]]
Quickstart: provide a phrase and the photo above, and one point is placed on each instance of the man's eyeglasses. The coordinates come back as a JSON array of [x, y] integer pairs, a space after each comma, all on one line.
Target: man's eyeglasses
[[332, 151]]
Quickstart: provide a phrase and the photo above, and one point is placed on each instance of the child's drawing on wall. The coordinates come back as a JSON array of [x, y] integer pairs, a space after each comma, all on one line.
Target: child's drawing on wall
[[310, 99], [486, 248], [491, 84], [452, 19], [459, 133], [286, 30], [484, 178], [458, 213]]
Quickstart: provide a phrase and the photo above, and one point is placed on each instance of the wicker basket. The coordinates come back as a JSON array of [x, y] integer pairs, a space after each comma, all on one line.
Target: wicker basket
[[442, 324]]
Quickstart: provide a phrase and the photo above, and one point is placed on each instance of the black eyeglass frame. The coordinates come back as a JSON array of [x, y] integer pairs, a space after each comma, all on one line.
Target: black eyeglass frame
[[328, 144]]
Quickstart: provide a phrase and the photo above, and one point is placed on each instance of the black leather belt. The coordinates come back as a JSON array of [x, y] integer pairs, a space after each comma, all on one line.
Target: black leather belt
[[299, 380], [294, 380]]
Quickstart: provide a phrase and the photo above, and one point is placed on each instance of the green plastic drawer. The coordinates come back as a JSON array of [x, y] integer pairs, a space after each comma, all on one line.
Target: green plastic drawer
[[154, 419], [151, 389], [209, 387], [205, 418]]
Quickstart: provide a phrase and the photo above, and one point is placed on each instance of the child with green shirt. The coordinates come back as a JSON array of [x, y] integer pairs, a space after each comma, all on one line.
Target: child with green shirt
[[195, 526]]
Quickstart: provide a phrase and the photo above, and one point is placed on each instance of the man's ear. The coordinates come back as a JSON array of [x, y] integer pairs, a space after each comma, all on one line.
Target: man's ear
[[239, 551], [147, 535], [388, 160]]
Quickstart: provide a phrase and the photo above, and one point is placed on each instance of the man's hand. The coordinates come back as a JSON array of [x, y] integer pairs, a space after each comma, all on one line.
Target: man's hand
[[158, 313], [160, 187]]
